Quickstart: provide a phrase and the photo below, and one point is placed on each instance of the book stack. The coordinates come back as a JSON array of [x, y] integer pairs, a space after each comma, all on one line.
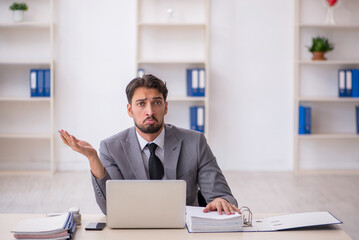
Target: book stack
[[40, 82], [57, 227], [197, 221], [348, 82], [305, 120]]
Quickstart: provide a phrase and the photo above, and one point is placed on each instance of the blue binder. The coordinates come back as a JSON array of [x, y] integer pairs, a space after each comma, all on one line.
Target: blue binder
[[201, 82], [40, 83], [192, 82], [301, 122], [355, 81], [33, 82], [308, 120], [348, 83], [193, 118], [200, 119], [140, 72], [197, 118], [341, 83], [47, 82]]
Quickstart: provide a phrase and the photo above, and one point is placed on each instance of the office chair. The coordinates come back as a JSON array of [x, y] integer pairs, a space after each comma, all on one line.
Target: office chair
[[201, 201]]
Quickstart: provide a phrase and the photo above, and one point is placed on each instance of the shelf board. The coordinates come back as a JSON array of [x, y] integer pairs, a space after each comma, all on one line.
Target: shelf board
[[26, 25], [325, 136], [25, 99], [164, 24], [25, 135], [186, 99], [328, 62], [171, 61], [25, 172], [329, 171], [328, 99], [324, 26], [25, 61]]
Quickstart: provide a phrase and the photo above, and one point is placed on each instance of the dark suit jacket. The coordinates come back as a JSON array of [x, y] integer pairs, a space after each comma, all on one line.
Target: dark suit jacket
[[187, 156]]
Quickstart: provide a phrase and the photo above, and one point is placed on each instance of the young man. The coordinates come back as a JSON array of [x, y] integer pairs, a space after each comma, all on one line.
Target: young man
[[155, 150]]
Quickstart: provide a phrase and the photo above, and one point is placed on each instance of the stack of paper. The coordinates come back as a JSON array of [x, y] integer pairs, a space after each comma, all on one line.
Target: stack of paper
[[57, 227], [197, 221]]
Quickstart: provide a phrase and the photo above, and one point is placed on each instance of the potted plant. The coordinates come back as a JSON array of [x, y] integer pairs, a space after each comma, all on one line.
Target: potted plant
[[18, 11], [320, 45]]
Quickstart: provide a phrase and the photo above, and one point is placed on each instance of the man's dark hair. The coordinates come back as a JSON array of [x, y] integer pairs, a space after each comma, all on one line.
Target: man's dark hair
[[147, 81]]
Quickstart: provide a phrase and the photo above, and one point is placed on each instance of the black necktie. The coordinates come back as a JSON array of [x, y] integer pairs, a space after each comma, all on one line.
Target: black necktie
[[155, 165]]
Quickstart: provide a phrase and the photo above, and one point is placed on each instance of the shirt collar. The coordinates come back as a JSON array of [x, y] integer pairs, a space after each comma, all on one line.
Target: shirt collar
[[159, 140]]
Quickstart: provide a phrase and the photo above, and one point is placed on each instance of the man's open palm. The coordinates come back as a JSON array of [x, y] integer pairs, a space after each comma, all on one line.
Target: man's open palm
[[77, 145]]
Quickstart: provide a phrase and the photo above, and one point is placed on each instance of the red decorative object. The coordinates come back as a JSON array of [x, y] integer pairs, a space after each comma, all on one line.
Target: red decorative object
[[332, 2]]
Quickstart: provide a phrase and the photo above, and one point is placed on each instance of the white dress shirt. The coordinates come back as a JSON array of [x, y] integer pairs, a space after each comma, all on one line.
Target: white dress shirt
[[160, 152]]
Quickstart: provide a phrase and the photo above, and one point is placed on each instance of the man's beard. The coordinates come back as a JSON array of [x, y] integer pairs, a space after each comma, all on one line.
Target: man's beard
[[154, 128]]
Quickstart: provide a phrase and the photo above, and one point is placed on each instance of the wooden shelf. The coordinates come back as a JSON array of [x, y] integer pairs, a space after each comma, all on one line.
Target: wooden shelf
[[327, 136], [329, 62], [25, 136], [328, 99], [336, 27], [26, 25], [316, 83], [202, 25], [329, 171], [186, 99], [27, 45], [171, 61], [25, 61], [186, 47], [25, 99]]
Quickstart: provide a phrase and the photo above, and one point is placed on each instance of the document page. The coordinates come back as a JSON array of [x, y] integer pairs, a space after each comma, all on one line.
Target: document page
[[291, 221]]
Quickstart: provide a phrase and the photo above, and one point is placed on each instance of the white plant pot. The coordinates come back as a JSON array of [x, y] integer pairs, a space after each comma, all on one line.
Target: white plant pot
[[18, 15]]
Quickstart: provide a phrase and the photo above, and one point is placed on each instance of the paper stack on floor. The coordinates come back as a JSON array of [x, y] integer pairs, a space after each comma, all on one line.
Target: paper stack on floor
[[197, 221], [57, 227]]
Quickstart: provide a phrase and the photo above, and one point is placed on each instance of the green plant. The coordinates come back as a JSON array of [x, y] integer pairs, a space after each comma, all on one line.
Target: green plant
[[19, 6], [320, 44]]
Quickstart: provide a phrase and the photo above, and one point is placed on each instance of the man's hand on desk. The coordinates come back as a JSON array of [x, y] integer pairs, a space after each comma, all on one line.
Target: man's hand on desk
[[85, 149], [221, 204]]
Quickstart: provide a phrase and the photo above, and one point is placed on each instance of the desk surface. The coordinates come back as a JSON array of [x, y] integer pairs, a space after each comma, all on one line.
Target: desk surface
[[8, 222]]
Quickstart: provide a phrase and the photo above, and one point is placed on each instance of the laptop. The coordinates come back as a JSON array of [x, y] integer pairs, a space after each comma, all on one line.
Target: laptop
[[146, 203]]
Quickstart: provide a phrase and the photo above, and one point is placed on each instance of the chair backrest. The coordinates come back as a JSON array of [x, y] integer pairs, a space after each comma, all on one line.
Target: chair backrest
[[201, 201]]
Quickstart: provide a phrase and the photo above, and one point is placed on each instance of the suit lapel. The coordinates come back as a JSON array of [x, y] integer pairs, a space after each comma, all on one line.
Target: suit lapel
[[172, 148], [133, 154]]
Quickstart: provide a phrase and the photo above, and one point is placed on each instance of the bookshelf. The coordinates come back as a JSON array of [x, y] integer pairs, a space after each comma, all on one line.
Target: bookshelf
[[26, 123], [332, 145], [173, 36]]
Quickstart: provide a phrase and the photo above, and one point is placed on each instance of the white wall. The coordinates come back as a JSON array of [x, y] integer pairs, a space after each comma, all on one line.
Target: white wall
[[251, 78], [95, 58], [251, 83]]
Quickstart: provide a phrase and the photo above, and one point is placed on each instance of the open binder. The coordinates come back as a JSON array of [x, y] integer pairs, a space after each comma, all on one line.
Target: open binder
[[289, 221], [275, 223]]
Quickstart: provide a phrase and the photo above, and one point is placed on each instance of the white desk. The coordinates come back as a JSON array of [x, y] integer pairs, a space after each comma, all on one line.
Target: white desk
[[8, 222]]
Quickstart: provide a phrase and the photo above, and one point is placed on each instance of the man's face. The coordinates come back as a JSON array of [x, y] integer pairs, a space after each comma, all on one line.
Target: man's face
[[147, 109]]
